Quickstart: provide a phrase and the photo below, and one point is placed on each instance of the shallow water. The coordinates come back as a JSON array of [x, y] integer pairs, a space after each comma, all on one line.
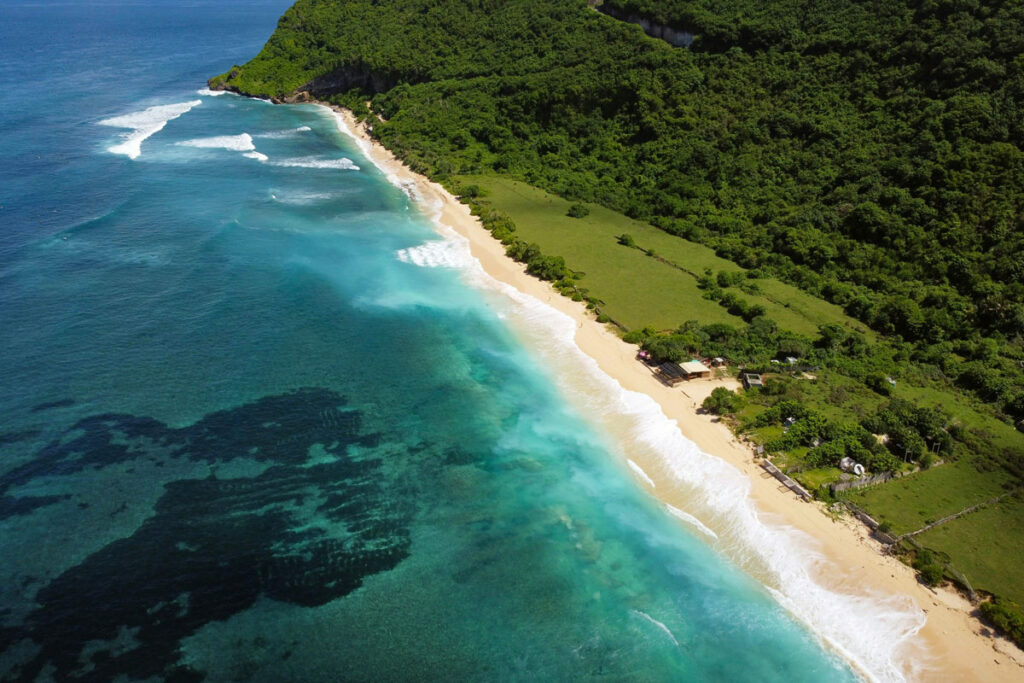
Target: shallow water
[[261, 422]]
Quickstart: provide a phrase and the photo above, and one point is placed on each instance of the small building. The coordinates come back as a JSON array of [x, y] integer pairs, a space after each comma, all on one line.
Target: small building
[[718, 362], [694, 368], [671, 373], [750, 380]]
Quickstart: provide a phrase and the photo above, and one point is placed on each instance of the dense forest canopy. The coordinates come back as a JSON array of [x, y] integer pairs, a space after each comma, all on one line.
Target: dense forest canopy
[[868, 152]]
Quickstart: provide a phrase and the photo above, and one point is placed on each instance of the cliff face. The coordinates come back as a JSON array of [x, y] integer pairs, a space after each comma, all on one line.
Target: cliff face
[[351, 76], [340, 80]]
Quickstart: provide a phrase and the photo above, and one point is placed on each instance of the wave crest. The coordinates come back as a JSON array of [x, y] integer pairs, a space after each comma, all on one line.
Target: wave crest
[[234, 143], [316, 162], [145, 124]]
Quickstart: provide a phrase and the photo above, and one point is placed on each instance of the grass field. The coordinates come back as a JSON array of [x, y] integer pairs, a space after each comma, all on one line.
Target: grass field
[[987, 547], [639, 290], [960, 408], [913, 501]]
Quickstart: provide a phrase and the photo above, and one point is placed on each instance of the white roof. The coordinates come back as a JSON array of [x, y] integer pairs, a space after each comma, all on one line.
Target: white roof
[[692, 367]]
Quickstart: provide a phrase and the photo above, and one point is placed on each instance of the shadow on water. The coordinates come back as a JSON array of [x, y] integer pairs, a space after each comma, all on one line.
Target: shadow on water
[[304, 531]]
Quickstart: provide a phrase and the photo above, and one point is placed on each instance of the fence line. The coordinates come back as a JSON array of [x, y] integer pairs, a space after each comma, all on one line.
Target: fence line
[[860, 483], [786, 481]]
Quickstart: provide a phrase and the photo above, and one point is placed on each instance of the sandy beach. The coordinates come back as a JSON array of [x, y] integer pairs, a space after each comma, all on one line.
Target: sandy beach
[[951, 646]]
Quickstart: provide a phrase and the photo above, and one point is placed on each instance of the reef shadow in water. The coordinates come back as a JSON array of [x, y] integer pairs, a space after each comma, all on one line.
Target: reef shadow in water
[[300, 532]]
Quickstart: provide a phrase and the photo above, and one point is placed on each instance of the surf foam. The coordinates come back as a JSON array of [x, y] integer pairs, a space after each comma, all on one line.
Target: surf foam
[[690, 519], [315, 162], [445, 253], [660, 625], [145, 124], [234, 143], [287, 133], [301, 198], [639, 471], [206, 92]]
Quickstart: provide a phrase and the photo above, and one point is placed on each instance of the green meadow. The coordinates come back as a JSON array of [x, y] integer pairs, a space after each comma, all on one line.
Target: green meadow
[[986, 546], [639, 289]]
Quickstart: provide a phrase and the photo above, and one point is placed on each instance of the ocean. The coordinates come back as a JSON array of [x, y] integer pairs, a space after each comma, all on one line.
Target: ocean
[[263, 421]]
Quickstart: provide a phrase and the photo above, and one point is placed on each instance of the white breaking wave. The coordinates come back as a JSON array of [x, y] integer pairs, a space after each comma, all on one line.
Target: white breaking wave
[[691, 520], [206, 92], [648, 617], [288, 133], [438, 254], [234, 143], [640, 473], [144, 124], [301, 198], [314, 162]]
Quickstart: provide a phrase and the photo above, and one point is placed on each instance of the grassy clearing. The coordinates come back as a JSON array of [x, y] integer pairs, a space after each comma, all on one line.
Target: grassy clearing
[[961, 409], [835, 396], [986, 547], [640, 290], [785, 303], [812, 480], [913, 501], [637, 290]]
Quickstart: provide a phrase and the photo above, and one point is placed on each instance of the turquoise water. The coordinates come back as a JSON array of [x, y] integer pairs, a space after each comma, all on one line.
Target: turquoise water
[[248, 436]]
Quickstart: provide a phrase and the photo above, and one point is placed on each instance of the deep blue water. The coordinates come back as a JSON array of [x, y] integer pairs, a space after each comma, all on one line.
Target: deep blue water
[[246, 437]]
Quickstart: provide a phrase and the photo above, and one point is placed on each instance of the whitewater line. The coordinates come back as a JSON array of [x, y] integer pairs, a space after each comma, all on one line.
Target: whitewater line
[[869, 632]]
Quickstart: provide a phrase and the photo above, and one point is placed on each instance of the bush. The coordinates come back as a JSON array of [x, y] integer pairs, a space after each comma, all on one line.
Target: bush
[[928, 567], [878, 383], [1007, 617], [722, 401], [626, 240], [578, 211]]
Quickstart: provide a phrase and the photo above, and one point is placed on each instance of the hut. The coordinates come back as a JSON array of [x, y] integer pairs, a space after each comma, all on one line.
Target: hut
[[694, 368], [750, 380]]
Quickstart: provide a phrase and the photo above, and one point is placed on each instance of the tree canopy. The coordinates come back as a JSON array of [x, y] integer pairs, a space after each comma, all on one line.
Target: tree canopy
[[868, 153]]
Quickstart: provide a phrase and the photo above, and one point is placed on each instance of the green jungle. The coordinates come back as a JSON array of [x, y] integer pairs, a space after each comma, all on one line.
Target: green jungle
[[829, 193]]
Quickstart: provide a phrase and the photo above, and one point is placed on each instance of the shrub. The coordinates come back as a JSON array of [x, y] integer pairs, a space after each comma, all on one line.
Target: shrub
[[928, 567], [878, 383], [578, 211], [722, 401], [1007, 617], [626, 240]]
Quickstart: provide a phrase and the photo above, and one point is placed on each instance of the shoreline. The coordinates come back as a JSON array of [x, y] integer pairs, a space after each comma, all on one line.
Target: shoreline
[[951, 645]]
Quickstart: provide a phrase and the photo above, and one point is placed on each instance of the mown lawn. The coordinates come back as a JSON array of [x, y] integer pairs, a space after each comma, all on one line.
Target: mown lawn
[[913, 501], [987, 546]]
